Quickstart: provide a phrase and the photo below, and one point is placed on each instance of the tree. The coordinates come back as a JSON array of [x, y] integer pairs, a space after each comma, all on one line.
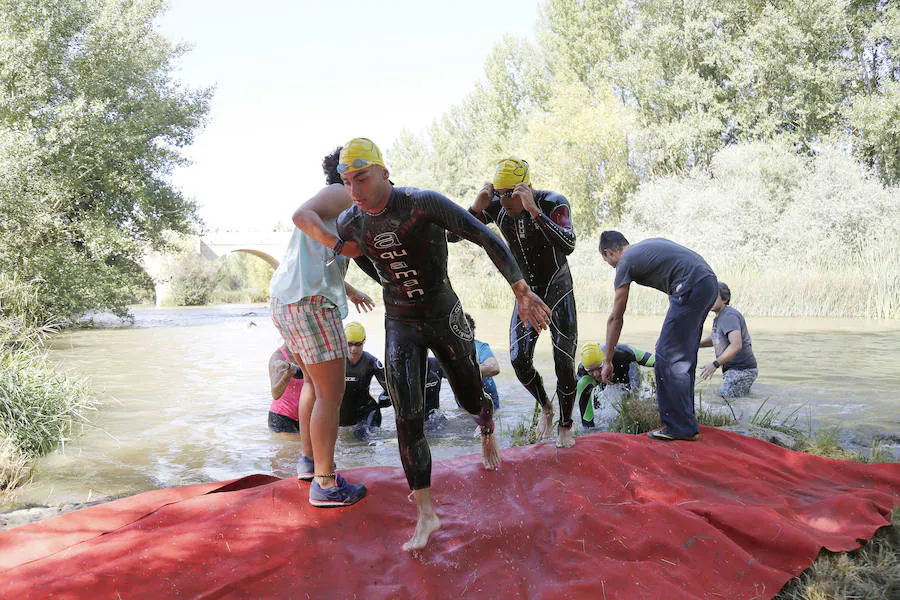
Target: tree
[[91, 127]]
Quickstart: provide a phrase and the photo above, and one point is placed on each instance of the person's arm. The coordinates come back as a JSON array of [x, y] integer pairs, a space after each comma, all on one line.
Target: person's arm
[[557, 226], [384, 399], [706, 342], [532, 310], [360, 300], [490, 367], [368, 268], [735, 343], [614, 330], [327, 204], [280, 373], [482, 201]]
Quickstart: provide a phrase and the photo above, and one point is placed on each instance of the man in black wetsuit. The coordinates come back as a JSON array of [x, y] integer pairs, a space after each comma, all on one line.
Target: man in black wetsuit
[[357, 405], [402, 234], [536, 225]]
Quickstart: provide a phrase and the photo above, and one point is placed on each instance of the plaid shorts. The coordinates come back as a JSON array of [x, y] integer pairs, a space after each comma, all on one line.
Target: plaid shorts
[[736, 382], [311, 328]]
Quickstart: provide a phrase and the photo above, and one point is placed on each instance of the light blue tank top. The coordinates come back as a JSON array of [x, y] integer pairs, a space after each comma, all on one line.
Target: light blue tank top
[[303, 272]]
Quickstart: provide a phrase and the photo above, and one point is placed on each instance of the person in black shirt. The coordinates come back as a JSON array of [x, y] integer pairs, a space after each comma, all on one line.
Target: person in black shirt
[[537, 228]]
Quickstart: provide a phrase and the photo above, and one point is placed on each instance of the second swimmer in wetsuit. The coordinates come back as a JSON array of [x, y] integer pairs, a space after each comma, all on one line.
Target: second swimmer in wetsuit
[[536, 225], [403, 232], [358, 406], [626, 377]]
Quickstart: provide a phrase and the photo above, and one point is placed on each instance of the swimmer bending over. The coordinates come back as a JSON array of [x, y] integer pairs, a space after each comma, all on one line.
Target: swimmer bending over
[[403, 232]]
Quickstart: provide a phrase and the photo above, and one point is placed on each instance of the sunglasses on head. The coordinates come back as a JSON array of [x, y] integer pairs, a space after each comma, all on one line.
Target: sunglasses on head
[[355, 343], [358, 163]]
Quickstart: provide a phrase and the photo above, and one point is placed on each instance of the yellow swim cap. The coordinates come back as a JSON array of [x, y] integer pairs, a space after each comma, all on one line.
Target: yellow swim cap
[[591, 354], [510, 171], [355, 332], [357, 154]]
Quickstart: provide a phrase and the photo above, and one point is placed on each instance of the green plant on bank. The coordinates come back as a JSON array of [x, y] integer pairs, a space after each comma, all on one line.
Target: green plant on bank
[[40, 407], [871, 572], [775, 418]]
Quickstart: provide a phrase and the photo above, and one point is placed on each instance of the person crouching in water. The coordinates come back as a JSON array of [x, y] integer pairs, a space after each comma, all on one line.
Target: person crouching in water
[[286, 379], [358, 407], [734, 349], [626, 377]]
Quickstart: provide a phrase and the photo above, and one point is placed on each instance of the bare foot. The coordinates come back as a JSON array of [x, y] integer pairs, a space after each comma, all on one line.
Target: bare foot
[[490, 452], [565, 438], [545, 424], [428, 521]]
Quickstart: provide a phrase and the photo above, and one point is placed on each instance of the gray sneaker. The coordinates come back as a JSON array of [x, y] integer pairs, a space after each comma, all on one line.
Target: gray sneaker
[[342, 494]]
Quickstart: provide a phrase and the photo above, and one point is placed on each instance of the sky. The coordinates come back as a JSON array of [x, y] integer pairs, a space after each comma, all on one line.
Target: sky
[[295, 79]]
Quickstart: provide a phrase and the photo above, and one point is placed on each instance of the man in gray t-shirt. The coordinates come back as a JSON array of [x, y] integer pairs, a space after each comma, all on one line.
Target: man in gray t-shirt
[[734, 349], [692, 288]]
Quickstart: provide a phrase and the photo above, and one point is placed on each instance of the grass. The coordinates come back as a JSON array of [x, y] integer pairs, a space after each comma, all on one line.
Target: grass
[[775, 418], [40, 407], [871, 572]]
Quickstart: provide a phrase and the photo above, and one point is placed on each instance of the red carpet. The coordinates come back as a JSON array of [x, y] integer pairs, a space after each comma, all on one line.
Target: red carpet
[[618, 516]]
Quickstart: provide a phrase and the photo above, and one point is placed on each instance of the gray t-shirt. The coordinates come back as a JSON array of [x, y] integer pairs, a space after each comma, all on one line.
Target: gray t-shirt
[[662, 264], [728, 320]]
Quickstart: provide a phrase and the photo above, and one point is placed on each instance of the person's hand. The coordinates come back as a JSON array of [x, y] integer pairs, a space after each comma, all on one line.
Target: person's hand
[[530, 307], [351, 250], [484, 197], [361, 301], [606, 372], [526, 195], [707, 371]]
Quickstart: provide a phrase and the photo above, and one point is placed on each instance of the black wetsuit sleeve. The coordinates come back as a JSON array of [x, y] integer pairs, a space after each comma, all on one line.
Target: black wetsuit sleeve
[[461, 222], [367, 267], [481, 216], [557, 226]]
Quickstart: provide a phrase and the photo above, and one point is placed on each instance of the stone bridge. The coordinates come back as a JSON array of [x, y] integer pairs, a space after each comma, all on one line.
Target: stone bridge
[[267, 245]]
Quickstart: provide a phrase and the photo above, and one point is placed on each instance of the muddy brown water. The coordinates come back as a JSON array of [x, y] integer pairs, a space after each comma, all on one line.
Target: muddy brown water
[[185, 394]]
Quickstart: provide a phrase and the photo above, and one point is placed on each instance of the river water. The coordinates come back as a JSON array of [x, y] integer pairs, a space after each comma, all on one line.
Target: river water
[[185, 394]]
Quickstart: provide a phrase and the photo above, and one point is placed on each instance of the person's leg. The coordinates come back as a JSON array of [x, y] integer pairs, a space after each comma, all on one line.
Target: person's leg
[[676, 358], [585, 393], [736, 382], [522, 340], [458, 360], [305, 408], [405, 363], [564, 335], [327, 378]]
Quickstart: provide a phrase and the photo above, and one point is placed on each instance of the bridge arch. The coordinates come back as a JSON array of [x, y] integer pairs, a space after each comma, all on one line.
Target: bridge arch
[[259, 254]]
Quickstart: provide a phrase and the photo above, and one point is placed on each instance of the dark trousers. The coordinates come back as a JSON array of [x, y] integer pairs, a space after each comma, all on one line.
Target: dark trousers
[[676, 356]]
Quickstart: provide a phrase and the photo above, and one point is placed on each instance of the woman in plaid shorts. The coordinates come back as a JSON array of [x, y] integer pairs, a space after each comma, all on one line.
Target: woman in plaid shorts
[[309, 301]]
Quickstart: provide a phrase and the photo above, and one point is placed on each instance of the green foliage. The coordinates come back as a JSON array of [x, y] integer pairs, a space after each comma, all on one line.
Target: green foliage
[[39, 405], [242, 277], [193, 279], [91, 126]]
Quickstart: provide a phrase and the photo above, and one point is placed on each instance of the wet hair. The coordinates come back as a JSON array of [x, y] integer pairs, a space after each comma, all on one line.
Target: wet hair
[[724, 292], [329, 166], [612, 240], [471, 321]]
